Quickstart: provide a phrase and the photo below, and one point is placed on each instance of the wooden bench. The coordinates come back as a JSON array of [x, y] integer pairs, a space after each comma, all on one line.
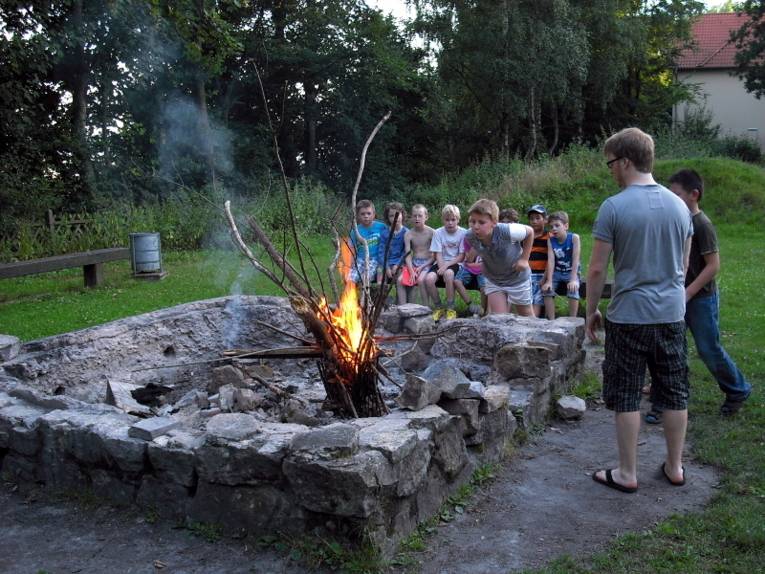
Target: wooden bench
[[92, 263]]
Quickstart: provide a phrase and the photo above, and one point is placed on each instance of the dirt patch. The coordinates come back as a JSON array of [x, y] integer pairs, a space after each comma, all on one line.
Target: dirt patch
[[544, 503]]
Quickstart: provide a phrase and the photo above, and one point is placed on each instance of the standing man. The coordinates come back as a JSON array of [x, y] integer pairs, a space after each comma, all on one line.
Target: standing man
[[648, 229], [702, 307]]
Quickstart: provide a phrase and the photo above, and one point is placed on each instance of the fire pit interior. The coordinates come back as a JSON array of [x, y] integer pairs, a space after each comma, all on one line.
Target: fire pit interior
[[157, 411]]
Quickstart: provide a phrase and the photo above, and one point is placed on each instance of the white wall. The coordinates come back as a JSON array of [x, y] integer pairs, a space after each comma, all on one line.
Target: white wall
[[736, 110]]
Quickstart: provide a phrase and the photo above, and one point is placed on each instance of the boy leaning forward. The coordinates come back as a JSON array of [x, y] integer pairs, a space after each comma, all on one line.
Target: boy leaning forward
[[504, 249]]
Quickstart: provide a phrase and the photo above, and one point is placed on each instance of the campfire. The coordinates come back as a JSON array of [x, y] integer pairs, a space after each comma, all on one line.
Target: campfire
[[343, 333]]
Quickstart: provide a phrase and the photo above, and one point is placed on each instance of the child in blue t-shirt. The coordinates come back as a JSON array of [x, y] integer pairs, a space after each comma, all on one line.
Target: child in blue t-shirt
[[565, 267], [371, 230]]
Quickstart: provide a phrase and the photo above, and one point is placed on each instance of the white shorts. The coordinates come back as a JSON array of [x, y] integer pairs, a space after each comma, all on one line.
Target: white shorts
[[517, 294]]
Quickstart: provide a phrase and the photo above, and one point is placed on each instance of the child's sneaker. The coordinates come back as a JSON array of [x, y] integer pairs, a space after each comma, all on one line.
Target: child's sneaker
[[475, 309], [438, 313], [451, 314]]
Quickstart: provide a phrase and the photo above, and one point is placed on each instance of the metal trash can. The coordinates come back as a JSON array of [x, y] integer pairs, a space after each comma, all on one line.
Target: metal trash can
[[146, 254]]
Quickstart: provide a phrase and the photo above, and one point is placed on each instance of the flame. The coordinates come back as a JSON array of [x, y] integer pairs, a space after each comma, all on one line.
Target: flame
[[347, 326]]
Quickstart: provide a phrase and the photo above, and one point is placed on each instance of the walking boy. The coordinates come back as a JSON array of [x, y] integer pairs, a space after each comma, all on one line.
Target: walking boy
[[448, 252], [648, 230], [419, 259], [702, 307], [504, 249], [538, 260], [563, 266], [371, 230]]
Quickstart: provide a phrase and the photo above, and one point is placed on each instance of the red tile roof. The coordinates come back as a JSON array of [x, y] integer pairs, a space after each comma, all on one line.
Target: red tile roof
[[713, 49]]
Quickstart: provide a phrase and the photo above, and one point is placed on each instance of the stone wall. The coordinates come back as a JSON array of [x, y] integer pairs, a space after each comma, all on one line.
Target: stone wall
[[346, 478]]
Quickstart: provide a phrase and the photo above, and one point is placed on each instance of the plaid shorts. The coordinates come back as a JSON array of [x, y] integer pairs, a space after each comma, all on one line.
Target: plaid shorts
[[629, 349]]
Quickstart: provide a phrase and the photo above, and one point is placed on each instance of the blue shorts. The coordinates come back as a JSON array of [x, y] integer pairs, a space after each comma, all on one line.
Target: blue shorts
[[560, 285], [536, 289], [358, 269], [470, 280]]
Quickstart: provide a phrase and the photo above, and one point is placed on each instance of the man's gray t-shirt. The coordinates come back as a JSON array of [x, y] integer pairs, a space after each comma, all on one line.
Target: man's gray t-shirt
[[647, 226], [499, 258]]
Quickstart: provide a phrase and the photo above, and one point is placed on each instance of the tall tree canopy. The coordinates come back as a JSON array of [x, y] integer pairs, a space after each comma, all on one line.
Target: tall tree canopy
[[750, 45], [135, 100]]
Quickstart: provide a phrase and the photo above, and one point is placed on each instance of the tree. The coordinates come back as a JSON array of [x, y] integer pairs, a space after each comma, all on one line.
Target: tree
[[750, 46]]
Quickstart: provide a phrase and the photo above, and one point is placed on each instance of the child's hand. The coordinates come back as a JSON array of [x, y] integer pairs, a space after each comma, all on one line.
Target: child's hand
[[573, 286], [546, 286], [441, 269], [521, 265]]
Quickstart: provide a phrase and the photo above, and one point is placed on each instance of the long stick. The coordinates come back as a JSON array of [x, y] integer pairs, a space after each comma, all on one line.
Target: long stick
[[293, 226], [362, 161]]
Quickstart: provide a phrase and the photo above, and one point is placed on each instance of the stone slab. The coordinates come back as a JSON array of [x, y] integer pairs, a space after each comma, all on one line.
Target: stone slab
[[149, 429]]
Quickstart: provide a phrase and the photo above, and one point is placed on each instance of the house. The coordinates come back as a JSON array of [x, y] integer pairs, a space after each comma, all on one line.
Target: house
[[709, 66]]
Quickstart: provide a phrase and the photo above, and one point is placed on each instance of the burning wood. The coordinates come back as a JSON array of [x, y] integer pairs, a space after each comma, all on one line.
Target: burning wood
[[348, 355]]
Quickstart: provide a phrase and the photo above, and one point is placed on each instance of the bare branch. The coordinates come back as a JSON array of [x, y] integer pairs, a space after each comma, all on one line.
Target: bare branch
[[362, 161], [239, 242]]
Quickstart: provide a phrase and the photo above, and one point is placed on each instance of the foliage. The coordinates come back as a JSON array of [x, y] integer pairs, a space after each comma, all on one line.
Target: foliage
[[125, 101], [186, 222], [750, 47]]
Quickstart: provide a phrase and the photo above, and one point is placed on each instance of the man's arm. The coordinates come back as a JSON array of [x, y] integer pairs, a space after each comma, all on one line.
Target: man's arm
[[596, 278], [708, 273]]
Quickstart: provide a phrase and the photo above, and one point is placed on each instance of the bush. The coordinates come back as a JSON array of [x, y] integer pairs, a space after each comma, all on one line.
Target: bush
[[741, 148], [184, 223]]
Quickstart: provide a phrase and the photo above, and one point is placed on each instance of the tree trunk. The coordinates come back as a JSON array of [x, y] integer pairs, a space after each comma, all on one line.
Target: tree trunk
[[78, 85], [310, 115], [556, 128], [203, 125], [532, 125]]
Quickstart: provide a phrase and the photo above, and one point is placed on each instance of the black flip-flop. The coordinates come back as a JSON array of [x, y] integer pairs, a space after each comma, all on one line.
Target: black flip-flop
[[669, 480], [611, 483]]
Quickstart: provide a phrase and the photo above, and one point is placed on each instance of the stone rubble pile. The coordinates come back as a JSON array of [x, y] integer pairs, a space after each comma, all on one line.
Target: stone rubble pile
[[248, 445]]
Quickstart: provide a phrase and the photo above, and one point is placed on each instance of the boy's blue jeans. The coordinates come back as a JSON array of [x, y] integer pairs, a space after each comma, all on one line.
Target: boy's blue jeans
[[702, 318]]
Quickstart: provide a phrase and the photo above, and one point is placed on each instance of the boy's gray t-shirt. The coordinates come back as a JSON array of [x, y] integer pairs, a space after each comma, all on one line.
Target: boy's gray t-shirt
[[500, 257], [647, 226]]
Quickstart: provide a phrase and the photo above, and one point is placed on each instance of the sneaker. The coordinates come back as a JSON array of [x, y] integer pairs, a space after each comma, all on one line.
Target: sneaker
[[437, 314], [653, 417], [475, 309], [731, 407], [451, 314]]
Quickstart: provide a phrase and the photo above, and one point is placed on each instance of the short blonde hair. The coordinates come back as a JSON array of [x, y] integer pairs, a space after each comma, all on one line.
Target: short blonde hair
[[420, 207], [634, 145], [485, 207], [561, 216], [450, 209]]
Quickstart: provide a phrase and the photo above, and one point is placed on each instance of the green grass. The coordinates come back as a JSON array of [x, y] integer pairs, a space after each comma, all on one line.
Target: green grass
[[41, 305]]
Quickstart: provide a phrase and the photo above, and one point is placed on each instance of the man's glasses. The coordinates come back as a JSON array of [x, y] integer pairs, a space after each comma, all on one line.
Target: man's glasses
[[611, 161]]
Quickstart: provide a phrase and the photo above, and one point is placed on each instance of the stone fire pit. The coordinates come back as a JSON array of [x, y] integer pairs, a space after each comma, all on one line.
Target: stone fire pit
[[131, 411]]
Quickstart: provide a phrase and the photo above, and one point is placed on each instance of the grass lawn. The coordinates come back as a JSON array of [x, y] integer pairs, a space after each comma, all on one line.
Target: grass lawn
[[729, 536]]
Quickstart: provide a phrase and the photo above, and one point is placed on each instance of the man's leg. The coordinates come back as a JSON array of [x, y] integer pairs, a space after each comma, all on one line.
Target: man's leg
[[627, 429], [675, 425], [702, 318]]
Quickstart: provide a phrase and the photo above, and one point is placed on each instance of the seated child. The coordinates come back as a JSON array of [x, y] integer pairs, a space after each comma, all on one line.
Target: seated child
[[371, 230], [538, 261], [509, 216], [448, 251], [394, 215], [566, 248], [470, 277], [419, 259], [504, 249]]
